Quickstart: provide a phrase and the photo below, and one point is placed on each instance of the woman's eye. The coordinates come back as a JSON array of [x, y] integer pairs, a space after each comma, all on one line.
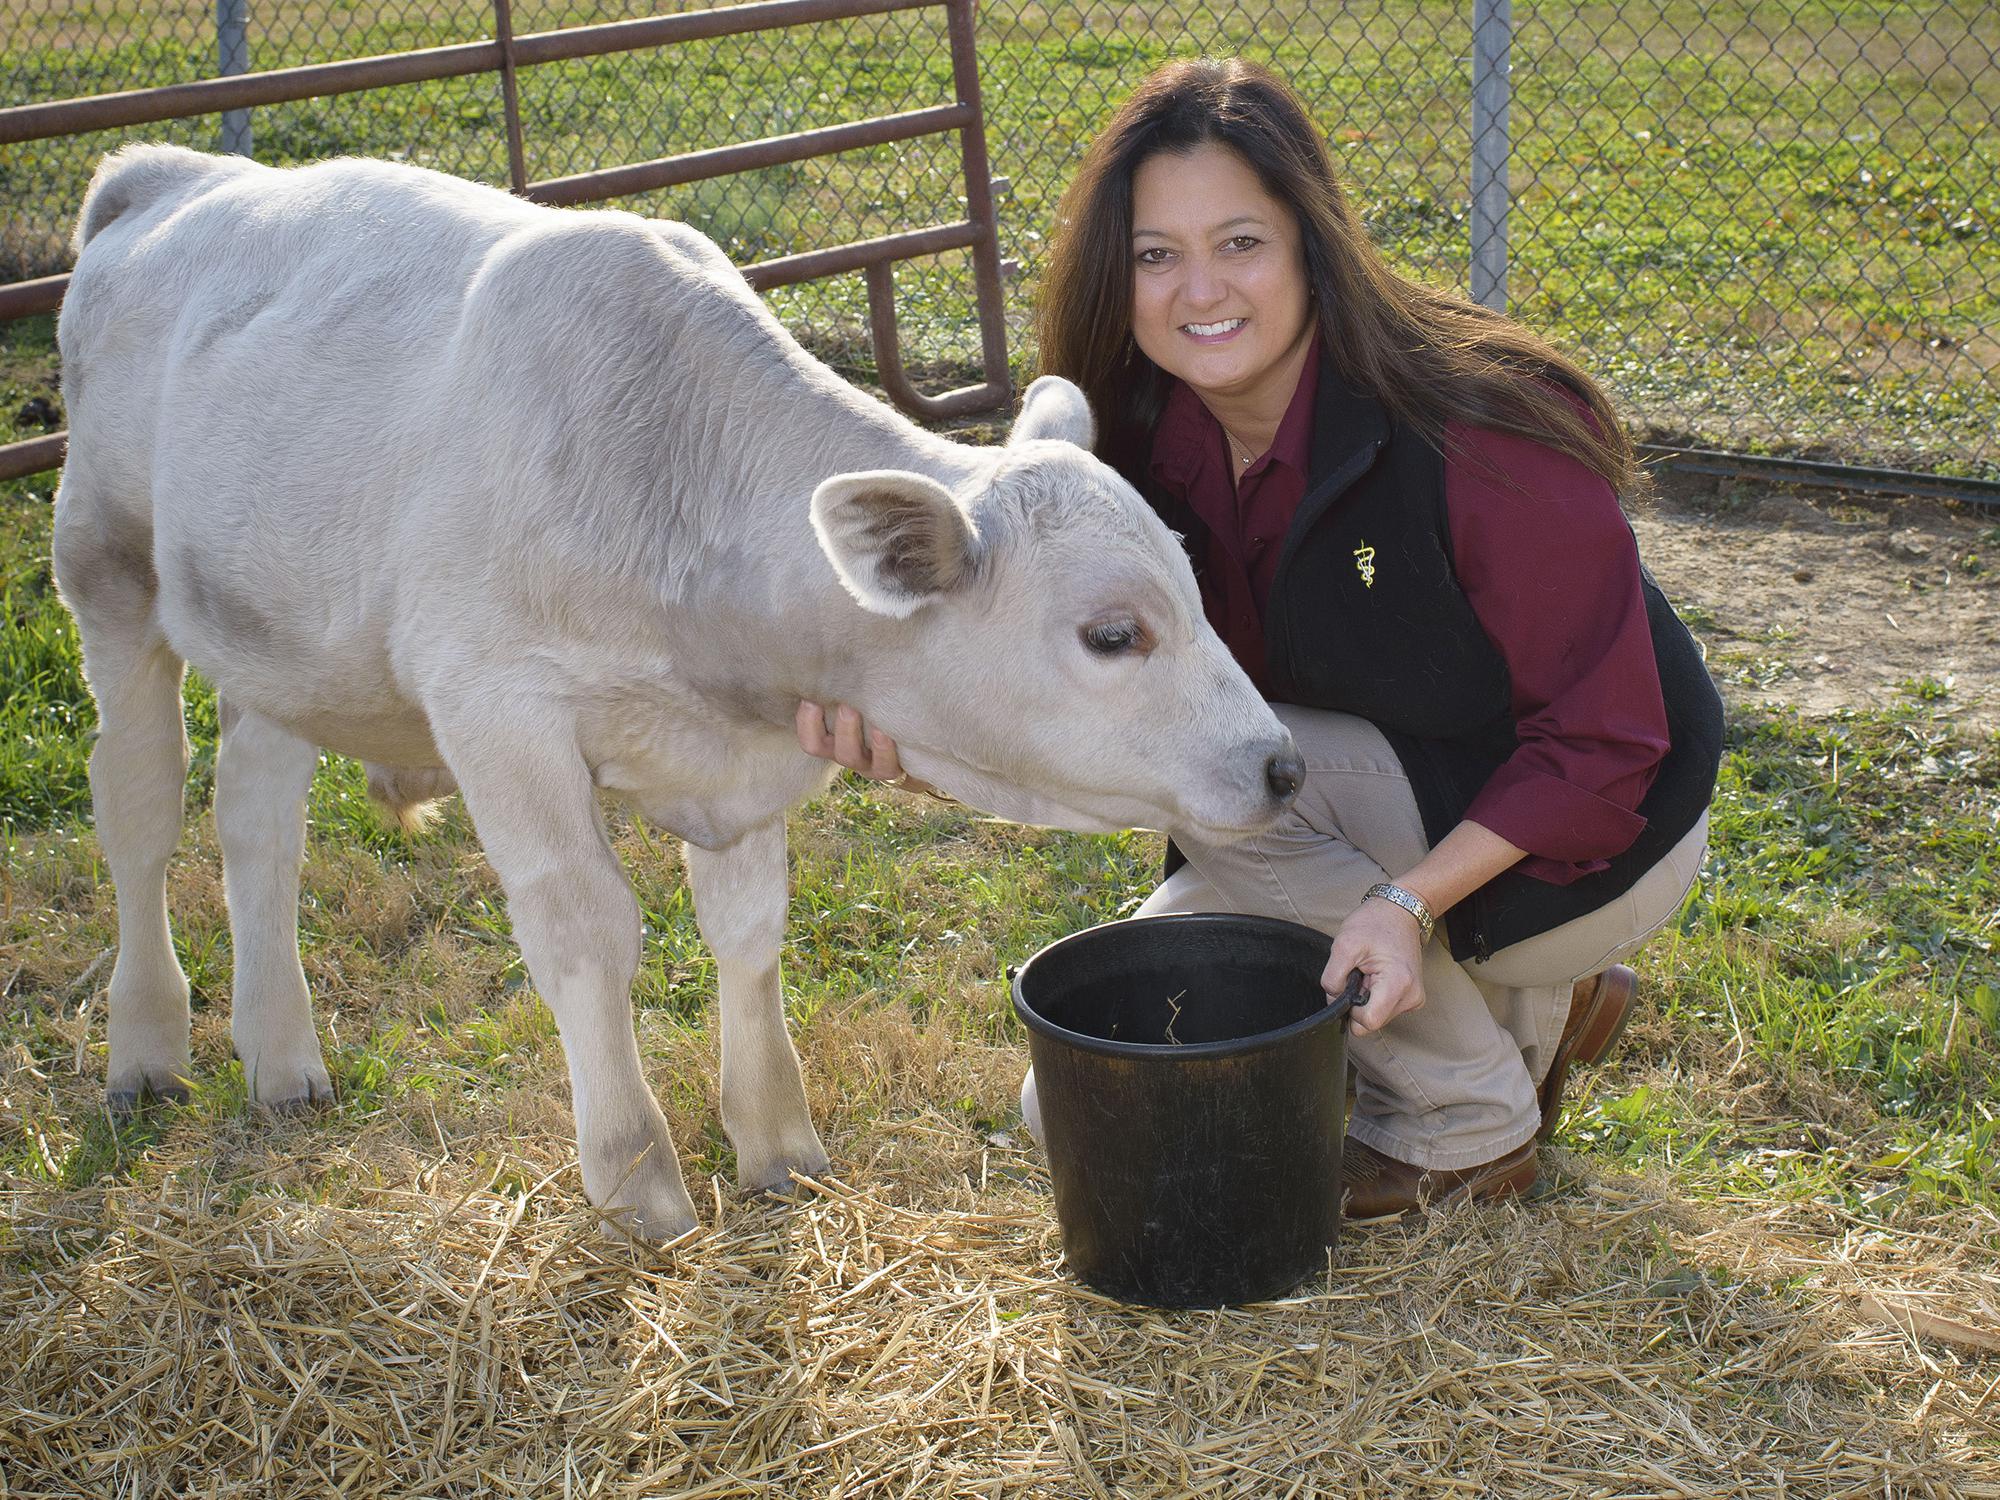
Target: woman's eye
[[1245, 242], [1154, 255], [1111, 638]]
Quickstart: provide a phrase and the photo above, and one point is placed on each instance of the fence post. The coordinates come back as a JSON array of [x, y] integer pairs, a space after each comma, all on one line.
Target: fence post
[[232, 55], [1492, 31]]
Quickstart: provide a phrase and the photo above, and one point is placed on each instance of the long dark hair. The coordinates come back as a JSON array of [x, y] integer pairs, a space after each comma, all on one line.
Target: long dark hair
[[1428, 355]]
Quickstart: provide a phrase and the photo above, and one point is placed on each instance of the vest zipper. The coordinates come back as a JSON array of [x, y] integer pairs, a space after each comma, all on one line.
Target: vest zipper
[[1311, 508]]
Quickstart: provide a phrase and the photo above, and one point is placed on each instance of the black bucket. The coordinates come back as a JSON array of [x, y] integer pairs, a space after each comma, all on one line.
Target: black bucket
[[1192, 1083]]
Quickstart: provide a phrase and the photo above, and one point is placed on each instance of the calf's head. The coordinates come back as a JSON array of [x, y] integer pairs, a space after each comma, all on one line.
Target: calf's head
[[1053, 664]]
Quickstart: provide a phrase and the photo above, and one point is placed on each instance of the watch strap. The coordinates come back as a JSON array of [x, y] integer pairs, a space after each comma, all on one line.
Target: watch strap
[[1409, 900]]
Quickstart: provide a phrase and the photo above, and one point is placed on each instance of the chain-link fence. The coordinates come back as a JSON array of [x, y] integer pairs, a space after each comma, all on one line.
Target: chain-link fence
[[1769, 225]]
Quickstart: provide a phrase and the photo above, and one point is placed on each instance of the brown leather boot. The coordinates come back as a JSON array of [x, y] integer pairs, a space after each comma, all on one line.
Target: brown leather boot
[[1599, 1008], [1379, 1188]]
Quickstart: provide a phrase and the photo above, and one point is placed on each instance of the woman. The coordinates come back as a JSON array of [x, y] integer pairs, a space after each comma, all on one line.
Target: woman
[[1402, 510]]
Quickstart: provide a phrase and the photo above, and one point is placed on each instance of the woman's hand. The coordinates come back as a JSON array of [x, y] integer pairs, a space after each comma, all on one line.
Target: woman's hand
[[866, 752], [1384, 943]]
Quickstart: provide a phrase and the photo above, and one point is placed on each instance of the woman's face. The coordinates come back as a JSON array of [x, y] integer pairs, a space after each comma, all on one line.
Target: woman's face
[[1219, 290]]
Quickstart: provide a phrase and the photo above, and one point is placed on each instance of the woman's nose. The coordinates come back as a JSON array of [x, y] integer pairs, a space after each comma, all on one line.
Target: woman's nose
[[1203, 285]]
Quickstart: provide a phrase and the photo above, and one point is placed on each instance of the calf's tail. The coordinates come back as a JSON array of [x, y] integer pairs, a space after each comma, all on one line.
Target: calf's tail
[[410, 794]]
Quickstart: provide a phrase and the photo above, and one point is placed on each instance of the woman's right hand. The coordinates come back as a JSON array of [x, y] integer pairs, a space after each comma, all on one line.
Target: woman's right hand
[[1385, 944], [846, 740]]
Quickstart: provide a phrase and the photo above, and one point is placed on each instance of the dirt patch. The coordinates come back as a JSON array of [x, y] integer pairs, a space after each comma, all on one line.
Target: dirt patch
[[1822, 600]]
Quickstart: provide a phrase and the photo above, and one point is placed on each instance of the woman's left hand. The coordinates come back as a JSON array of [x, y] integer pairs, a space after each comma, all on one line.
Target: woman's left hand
[[1383, 942], [847, 741]]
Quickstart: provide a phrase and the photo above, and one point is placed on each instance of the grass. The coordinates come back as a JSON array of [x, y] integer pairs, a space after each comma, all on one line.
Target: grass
[[1842, 941], [1793, 1155], [1768, 224], [1841, 935]]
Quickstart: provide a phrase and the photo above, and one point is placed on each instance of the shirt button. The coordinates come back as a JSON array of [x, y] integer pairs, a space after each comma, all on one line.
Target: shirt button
[[1256, 544]]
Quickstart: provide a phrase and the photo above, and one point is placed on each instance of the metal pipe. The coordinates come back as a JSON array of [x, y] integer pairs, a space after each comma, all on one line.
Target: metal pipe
[[1822, 474], [175, 101], [28, 122], [510, 95], [23, 299], [694, 166], [1492, 30], [17, 460], [989, 292], [787, 270], [889, 371], [697, 25]]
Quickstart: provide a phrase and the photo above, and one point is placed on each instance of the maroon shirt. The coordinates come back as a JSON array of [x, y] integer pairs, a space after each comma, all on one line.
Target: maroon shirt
[[1246, 522], [1552, 572]]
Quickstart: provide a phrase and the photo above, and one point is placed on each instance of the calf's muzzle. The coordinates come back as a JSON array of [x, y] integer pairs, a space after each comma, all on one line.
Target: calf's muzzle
[[1284, 774]]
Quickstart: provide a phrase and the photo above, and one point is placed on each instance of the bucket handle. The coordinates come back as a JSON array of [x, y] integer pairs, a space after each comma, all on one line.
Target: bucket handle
[[1352, 997]]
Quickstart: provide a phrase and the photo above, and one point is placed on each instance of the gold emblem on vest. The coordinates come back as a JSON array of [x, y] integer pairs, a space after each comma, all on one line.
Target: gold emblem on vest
[[1364, 562]]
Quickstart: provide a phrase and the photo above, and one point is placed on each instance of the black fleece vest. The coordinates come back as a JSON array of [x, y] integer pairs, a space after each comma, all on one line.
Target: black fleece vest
[[1366, 617]]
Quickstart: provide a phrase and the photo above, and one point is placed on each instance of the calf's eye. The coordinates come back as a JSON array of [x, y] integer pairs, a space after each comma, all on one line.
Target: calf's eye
[[1111, 637]]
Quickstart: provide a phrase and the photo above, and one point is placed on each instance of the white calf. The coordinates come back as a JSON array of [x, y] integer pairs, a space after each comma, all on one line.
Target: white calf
[[542, 503]]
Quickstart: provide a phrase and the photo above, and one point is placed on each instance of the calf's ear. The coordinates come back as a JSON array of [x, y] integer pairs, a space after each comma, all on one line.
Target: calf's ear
[[1053, 408], [897, 540]]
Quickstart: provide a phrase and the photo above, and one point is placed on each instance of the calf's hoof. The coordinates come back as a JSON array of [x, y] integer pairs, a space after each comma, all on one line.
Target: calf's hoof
[[772, 1172], [659, 1226], [129, 1095], [643, 1196], [656, 1215], [147, 1064], [289, 1089], [312, 1101]]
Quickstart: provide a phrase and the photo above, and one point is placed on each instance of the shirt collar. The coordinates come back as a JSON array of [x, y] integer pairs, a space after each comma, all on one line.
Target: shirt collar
[[1188, 438], [1292, 447]]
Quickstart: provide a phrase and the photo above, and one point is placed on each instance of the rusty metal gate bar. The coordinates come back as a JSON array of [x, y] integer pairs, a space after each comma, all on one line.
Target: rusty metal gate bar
[[978, 232], [510, 96]]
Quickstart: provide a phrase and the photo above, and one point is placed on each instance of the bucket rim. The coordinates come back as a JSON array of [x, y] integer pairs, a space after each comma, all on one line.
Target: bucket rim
[[1240, 1046]]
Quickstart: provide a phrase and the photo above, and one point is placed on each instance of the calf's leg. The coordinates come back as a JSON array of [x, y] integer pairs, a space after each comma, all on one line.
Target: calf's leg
[[739, 904], [262, 774], [138, 770], [532, 801]]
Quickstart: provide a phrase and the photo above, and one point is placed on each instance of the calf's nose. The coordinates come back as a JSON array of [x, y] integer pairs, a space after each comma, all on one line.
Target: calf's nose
[[1284, 774]]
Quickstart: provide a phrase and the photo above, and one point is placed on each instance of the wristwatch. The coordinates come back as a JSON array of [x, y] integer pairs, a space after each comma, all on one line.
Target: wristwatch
[[1410, 901]]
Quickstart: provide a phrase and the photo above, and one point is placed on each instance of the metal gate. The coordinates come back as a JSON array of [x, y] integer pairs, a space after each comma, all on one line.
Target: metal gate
[[506, 54]]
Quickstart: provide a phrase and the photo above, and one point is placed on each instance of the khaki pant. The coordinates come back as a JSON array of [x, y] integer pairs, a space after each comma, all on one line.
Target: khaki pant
[[1452, 1084]]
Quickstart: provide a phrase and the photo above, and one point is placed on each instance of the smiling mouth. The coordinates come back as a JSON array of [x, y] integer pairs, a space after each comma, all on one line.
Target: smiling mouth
[[1213, 330]]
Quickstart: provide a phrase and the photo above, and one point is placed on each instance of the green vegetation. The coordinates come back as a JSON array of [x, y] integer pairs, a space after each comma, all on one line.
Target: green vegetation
[[1824, 1032], [1839, 950], [1766, 225]]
